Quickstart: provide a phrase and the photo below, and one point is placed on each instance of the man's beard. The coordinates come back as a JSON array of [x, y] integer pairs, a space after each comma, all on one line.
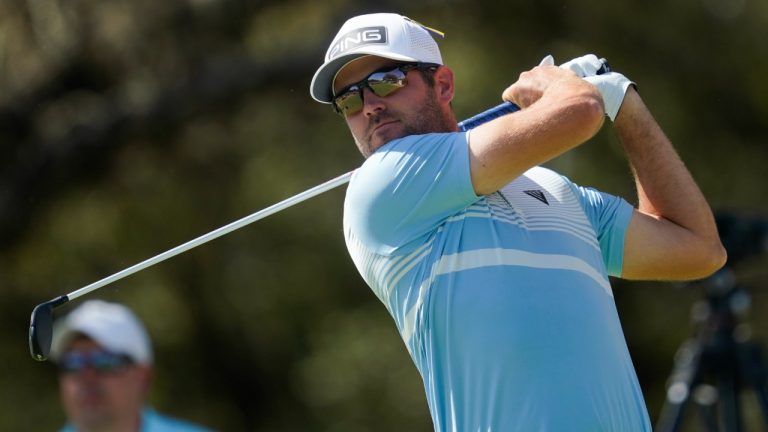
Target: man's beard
[[429, 119]]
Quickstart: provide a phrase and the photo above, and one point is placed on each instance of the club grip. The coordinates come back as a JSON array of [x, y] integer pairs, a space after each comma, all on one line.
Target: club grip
[[488, 115], [508, 107]]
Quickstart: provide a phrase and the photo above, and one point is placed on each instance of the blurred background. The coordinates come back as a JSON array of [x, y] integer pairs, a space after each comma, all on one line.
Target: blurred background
[[129, 127]]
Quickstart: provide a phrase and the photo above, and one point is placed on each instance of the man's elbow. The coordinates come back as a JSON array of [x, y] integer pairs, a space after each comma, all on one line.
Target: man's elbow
[[720, 256], [711, 259]]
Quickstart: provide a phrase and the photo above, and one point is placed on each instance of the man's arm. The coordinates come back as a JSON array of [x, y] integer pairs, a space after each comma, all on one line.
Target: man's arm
[[672, 235], [558, 112]]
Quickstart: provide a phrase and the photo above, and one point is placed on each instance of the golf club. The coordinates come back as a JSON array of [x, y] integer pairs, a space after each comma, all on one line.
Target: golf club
[[41, 321]]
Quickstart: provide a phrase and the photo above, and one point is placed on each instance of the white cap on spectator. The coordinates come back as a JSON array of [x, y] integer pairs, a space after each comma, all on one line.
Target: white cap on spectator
[[113, 326]]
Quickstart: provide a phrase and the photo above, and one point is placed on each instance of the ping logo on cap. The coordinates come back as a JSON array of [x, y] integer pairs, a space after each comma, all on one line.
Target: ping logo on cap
[[357, 38]]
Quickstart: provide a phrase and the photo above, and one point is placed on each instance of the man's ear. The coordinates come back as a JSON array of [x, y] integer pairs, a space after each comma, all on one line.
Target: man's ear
[[444, 84], [147, 375]]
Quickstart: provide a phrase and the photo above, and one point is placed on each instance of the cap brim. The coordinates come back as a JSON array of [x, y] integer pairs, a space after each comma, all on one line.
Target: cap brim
[[322, 83]]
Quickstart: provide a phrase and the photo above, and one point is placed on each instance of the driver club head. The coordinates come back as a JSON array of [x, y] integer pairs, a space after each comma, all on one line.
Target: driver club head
[[41, 328]]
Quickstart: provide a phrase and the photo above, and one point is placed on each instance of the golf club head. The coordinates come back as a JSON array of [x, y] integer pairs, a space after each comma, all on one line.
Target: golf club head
[[41, 328]]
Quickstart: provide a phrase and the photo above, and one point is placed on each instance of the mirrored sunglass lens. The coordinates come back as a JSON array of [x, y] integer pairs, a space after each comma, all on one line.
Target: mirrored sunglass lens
[[106, 362], [100, 361], [72, 362], [349, 102], [384, 83], [381, 83], [385, 88]]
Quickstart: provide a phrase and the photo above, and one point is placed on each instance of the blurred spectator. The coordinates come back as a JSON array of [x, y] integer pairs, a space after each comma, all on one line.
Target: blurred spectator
[[104, 357]]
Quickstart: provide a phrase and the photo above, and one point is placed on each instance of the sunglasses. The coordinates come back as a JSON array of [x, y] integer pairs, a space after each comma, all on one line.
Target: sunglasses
[[382, 83], [100, 361]]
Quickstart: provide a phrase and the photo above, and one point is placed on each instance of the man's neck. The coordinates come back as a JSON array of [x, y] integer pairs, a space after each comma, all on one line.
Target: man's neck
[[125, 424]]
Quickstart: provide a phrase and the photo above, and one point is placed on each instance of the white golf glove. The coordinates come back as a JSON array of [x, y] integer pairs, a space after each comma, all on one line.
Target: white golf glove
[[584, 66], [612, 86]]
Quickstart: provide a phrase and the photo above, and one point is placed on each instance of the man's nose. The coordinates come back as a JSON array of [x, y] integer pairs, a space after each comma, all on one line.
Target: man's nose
[[372, 103]]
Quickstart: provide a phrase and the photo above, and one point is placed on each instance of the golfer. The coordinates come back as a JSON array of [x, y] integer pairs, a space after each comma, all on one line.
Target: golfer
[[495, 269]]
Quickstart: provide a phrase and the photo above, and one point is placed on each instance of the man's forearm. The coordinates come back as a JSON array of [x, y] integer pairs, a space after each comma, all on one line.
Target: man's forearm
[[665, 187]]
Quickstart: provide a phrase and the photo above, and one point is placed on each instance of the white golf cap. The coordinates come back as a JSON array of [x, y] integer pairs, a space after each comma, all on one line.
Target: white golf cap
[[113, 326], [385, 35]]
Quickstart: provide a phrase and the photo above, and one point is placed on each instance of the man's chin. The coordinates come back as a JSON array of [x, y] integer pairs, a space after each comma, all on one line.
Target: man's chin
[[94, 418], [379, 137], [386, 133]]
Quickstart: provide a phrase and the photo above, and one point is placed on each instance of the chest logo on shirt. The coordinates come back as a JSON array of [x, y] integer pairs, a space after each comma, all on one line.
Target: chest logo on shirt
[[539, 195]]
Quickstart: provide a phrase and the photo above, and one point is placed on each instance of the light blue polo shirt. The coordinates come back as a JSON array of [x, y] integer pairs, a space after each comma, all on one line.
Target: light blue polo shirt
[[152, 421], [503, 301]]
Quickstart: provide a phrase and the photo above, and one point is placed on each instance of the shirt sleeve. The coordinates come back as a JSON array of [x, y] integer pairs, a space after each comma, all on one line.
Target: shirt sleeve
[[406, 189], [609, 216]]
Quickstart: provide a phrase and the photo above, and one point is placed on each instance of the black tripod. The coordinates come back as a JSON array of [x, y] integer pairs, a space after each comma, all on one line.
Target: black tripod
[[712, 368]]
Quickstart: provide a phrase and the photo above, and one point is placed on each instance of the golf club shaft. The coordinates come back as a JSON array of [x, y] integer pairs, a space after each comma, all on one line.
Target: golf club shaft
[[205, 238], [470, 123]]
